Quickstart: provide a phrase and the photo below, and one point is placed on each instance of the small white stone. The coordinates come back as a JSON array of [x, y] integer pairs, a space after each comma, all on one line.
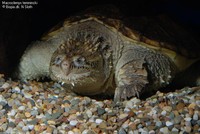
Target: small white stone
[[175, 129], [195, 116], [25, 128], [40, 116], [3, 127], [89, 113], [163, 113], [30, 127], [12, 112], [70, 132], [152, 132], [123, 116], [27, 95], [85, 131], [98, 121], [17, 90], [142, 131], [73, 122], [2, 99], [6, 85], [100, 104], [188, 119], [168, 123], [21, 108]]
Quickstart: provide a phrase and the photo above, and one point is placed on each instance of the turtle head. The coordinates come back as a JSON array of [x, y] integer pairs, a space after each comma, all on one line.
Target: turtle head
[[81, 65]]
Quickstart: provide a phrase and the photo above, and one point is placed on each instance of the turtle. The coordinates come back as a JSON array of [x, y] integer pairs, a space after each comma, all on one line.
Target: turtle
[[93, 53]]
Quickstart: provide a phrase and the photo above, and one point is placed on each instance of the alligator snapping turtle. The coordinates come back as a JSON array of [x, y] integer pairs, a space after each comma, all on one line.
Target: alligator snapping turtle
[[93, 53]]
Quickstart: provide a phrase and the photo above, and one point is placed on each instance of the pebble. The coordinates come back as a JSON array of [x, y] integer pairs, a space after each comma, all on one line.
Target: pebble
[[16, 90], [178, 119], [164, 130], [195, 116], [159, 123], [73, 122], [100, 111], [122, 131], [123, 116], [12, 112], [168, 123], [44, 107], [21, 108], [5, 85], [3, 101], [89, 113], [25, 128], [188, 119], [163, 113], [27, 114], [98, 121], [34, 112]]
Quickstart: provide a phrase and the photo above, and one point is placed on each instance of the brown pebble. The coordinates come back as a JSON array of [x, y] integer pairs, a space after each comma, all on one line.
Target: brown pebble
[[76, 131], [140, 115], [72, 117], [97, 130], [151, 127], [66, 114], [167, 108], [72, 111], [32, 132], [160, 94], [162, 104], [49, 129], [112, 120], [103, 125], [180, 106], [195, 128], [191, 112], [3, 120], [27, 114], [192, 106], [93, 125], [132, 126], [1, 107], [176, 113]]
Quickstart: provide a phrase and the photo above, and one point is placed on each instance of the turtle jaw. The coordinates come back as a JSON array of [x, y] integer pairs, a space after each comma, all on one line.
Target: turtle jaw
[[83, 78], [85, 83]]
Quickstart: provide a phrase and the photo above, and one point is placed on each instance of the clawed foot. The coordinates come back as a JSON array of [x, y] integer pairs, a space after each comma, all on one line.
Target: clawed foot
[[126, 92]]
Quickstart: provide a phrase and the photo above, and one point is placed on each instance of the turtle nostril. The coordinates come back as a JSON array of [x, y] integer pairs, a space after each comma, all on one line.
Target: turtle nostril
[[65, 65]]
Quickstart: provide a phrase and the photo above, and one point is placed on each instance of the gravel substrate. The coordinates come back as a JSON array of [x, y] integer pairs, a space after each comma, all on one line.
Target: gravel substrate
[[45, 107]]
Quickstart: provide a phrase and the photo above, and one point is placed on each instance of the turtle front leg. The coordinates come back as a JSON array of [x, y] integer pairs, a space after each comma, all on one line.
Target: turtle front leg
[[140, 69], [131, 80]]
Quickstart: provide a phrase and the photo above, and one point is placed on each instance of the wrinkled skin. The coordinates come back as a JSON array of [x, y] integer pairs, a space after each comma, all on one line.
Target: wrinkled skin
[[91, 58]]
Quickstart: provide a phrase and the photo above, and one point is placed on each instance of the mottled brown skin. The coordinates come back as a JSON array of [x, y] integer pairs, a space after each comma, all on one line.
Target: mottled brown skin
[[94, 55]]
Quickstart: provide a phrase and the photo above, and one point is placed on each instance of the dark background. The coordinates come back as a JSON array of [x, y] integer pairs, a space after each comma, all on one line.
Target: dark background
[[19, 27]]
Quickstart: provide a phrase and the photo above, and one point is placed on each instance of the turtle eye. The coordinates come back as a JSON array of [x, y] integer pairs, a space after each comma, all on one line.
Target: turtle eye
[[57, 60], [79, 61]]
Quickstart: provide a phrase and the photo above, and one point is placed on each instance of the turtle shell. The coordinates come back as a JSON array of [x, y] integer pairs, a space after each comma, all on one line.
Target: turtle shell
[[156, 32]]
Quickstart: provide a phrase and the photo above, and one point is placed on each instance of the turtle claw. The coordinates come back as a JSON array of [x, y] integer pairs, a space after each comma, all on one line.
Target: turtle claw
[[126, 92]]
